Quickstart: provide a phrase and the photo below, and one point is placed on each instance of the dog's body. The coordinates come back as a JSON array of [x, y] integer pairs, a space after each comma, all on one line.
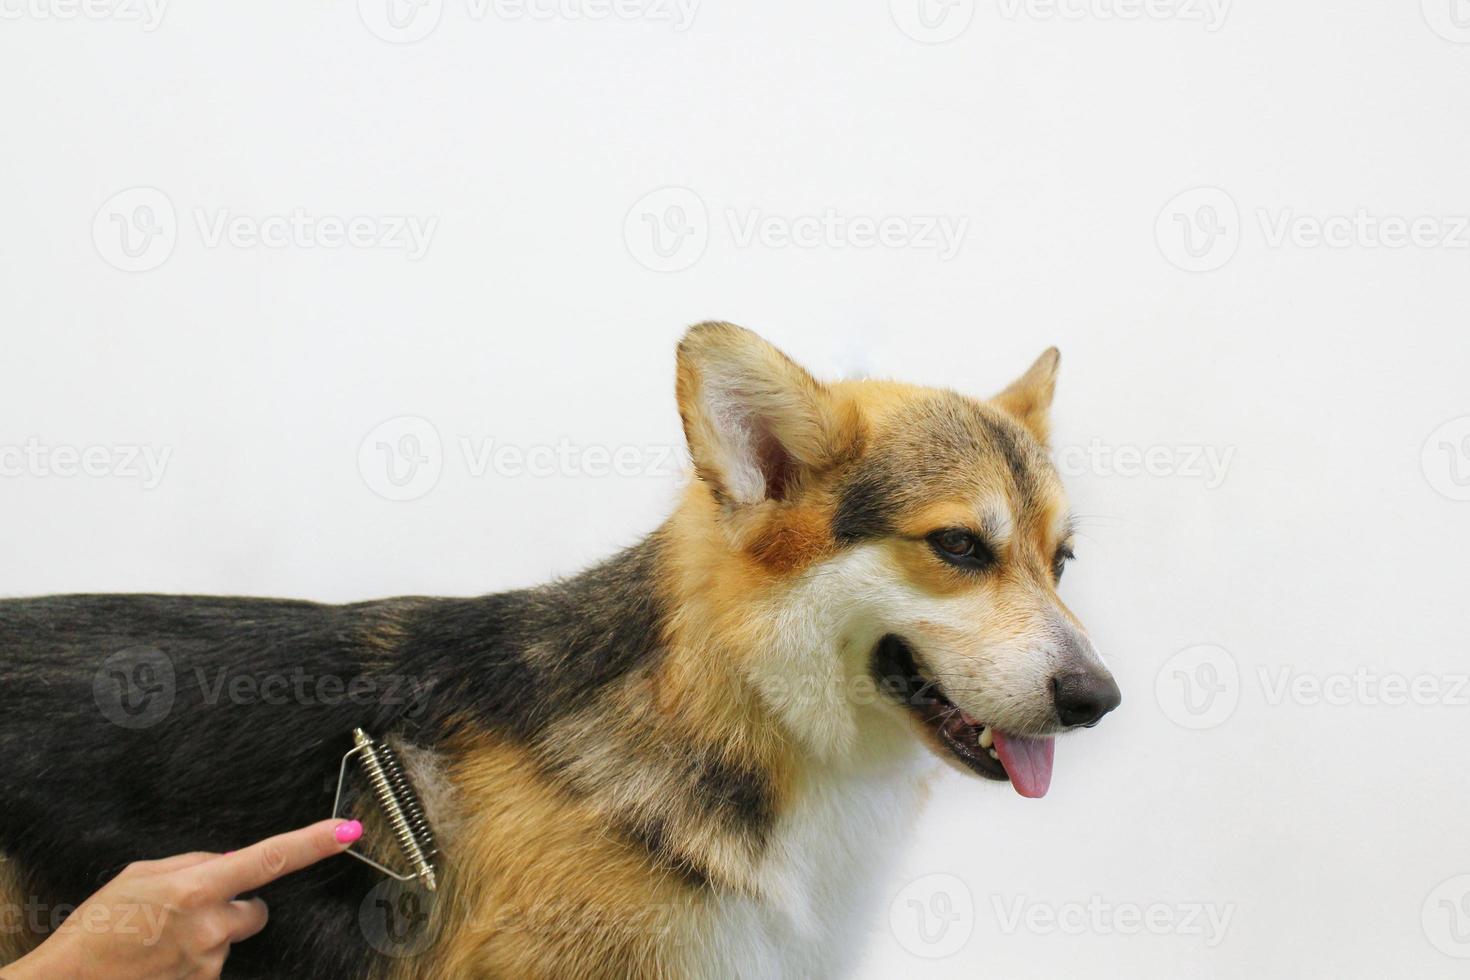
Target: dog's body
[[688, 761]]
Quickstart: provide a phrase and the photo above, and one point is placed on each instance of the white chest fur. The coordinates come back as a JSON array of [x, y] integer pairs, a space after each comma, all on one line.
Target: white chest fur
[[822, 879]]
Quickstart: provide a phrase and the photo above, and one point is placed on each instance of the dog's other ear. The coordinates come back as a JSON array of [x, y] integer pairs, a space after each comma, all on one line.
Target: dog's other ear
[[757, 423], [1028, 398]]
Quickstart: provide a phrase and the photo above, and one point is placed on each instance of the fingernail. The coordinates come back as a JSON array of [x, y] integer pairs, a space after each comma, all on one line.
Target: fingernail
[[348, 832]]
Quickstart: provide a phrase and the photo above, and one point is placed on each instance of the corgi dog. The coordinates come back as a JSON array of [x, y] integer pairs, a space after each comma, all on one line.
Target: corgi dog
[[686, 761]]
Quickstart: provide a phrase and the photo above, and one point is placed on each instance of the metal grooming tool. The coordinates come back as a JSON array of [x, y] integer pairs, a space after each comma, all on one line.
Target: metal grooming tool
[[399, 803]]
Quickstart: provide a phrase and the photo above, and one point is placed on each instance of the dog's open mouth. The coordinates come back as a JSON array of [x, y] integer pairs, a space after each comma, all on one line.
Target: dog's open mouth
[[1025, 760]]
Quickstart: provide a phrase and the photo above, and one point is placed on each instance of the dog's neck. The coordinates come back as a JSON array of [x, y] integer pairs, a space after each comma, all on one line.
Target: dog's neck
[[683, 693], [768, 670]]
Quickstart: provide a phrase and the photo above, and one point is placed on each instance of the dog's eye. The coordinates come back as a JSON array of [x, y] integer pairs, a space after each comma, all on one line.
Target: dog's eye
[[959, 547], [1059, 563]]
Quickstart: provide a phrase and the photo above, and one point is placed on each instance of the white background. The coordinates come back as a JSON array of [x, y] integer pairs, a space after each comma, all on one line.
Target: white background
[[1332, 545]]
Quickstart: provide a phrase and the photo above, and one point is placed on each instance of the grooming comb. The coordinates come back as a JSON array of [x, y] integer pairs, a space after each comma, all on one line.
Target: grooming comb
[[399, 803]]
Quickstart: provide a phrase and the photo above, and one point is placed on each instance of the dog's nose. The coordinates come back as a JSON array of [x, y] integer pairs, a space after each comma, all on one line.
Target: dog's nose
[[1083, 697]]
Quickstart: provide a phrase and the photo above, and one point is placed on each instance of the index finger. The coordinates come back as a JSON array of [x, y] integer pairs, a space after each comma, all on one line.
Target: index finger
[[260, 864]]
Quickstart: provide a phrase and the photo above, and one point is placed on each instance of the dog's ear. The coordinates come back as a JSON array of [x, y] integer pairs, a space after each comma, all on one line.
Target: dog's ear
[[757, 423], [1028, 398]]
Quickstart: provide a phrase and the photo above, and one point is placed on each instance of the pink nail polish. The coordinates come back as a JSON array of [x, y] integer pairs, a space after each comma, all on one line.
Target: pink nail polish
[[348, 832]]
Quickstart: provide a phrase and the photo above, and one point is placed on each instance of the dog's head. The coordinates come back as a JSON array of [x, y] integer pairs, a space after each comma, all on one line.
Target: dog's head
[[888, 533]]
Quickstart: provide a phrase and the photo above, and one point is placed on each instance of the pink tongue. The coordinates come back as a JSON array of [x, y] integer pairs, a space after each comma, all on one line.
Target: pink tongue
[[1027, 761]]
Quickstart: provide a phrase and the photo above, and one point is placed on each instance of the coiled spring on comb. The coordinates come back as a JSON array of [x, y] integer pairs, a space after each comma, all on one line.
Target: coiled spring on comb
[[400, 805]]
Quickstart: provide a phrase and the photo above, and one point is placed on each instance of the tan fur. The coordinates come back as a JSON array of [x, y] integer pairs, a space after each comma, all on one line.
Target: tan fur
[[1028, 398], [539, 888], [16, 938], [721, 370], [794, 539]]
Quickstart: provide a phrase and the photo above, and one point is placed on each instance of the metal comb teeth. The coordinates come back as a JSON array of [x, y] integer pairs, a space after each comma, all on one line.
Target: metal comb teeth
[[418, 831], [400, 804]]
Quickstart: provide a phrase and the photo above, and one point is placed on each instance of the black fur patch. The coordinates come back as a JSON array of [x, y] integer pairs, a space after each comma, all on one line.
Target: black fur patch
[[653, 836], [739, 798], [864, 509], [140, 726], [1007, 439]]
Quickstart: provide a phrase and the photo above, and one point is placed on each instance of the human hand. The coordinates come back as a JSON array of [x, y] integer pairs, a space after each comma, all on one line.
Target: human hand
[[176, 918]]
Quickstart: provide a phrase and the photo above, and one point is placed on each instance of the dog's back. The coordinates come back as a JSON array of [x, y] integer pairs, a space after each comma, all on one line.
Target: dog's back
[[141, 726]]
